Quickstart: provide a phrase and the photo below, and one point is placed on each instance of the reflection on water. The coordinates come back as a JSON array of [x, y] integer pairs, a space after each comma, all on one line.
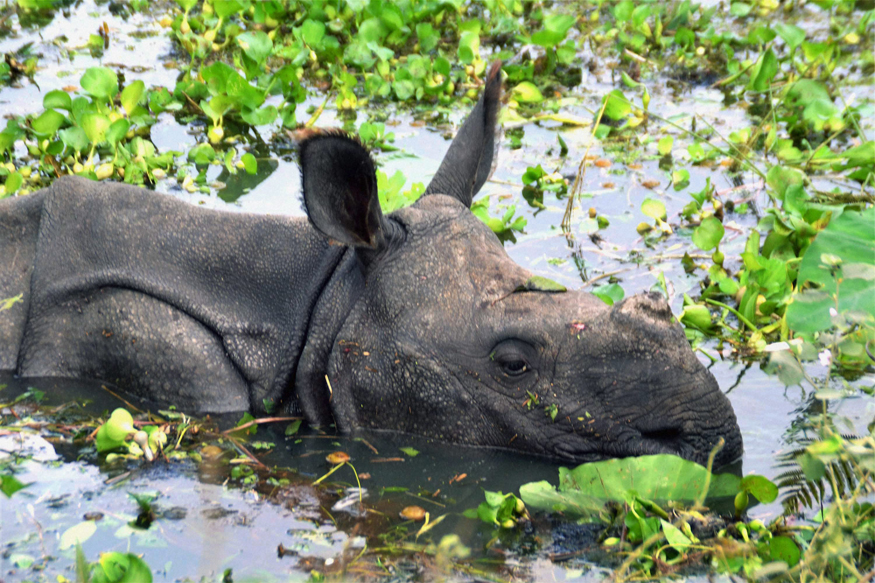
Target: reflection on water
[[207, 522]]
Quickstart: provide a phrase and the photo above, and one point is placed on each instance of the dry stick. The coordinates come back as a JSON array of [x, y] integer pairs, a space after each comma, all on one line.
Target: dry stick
[[313, 118], [741, 155], [248, 453], [137, 409], [193, 102], [581, 170], [249, 424], [367, 443], [619, 574], [743, 159], [592, 280], [426, 500]]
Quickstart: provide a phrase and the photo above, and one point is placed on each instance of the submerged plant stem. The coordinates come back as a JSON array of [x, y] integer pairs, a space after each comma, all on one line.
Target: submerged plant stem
[[735, 312], [581, 170]]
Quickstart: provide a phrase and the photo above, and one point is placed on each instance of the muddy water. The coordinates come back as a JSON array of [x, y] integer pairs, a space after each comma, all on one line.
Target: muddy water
[[207, 523]]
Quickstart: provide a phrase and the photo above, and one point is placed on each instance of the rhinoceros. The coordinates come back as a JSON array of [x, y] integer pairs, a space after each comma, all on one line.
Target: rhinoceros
[[416, 321]]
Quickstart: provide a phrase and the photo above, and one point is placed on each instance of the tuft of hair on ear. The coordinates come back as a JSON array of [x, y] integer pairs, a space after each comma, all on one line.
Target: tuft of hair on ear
[[339, 187]]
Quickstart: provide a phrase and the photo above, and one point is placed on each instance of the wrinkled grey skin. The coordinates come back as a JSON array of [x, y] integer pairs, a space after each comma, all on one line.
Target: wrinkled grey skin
[[416, 318]]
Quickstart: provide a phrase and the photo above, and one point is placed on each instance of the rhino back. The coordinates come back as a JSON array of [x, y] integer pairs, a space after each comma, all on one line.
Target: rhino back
[[19, 226], [204, 308]]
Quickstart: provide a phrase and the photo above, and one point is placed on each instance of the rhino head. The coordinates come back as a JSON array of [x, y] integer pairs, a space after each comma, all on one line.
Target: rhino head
[[445, 336]]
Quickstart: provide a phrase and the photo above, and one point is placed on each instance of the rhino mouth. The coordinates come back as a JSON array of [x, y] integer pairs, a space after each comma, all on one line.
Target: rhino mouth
[[668, 439], [672, 437]]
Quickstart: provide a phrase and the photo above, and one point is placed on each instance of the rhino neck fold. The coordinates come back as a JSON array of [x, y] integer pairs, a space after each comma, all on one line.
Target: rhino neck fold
[[328, 315]]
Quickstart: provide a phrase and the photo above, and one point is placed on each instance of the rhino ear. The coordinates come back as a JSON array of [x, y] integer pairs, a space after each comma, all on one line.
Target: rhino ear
[[340, 189], [469, 161]]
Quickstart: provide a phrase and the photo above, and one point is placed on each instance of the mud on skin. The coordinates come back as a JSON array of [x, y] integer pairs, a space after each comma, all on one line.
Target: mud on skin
[[419, 319]]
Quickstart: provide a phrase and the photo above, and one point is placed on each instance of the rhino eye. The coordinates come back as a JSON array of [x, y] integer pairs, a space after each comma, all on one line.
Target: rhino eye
[[512, 358], [515, 367]]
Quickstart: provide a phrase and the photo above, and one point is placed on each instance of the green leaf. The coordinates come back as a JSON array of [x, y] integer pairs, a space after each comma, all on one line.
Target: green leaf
[[100, 82], [117, 131], [74, 138], [763, 72], [202, 154], [95, 126], [665, 145], [763, 488], [584, 490], [13, 182], [256, 45], [533, 174], [225, 8], [792, 35], [782, 548], [131, 95], [609, 294], [655, 209], [82, 568], [787, 367], [77, 534], [57, 100], [250, 164], [428, 36], [409, 451], [708, 234], [312, 32], [247, 417], [675, 537], [809, 311], [628, 81], [740, 9], [781, 179], [812, 466], [9, 485], [48, 122], [543, 496], [623, 10], [259, 117], [556, 26], [469, 47], [293, 427], [618, 107], [121, 568], [536, 283], [851, 238], [21, 561], [680, 178], [697, 316], [527, 92], [112, 434]]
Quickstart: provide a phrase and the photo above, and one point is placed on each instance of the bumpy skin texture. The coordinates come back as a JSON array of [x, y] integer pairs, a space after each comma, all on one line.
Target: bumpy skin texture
[[431, 348], [417, 319], [203, 309]]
